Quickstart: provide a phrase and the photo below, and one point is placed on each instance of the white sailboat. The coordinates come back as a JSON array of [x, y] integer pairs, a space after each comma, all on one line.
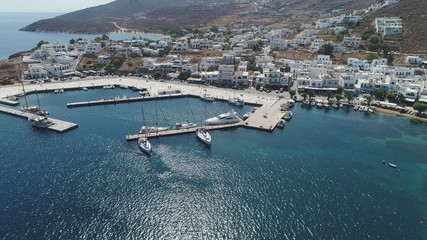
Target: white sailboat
[[28, 108], [143, 143], [203, 135]]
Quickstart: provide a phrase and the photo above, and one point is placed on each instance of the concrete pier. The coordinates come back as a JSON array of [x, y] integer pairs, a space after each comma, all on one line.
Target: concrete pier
[[172, 132], [124, 100], [266, 117], [58, 125], [9, 102]]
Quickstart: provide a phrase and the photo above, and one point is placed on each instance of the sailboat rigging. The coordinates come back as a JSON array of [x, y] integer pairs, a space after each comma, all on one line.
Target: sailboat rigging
[[202, 134], [143, 142]]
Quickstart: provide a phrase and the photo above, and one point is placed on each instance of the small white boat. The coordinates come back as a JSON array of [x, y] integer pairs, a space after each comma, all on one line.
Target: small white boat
[[287, 115], [56, 91], [290, 102], [246, 115], [203, 136], [319, 104], [30, 108], [207, 98], [153, 129], [42, 112], [355, 108], [144, 145], [341, 105], [84, 89], [41, 122], [236, 101], [281, 123], [185, 125], [61, 91], [13, 98], [392, 165], [123, 86], [313, 104], [306, 102], [334, 105], [254, 109]]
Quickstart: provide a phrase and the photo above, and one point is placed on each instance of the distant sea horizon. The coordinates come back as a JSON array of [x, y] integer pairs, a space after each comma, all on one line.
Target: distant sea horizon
[[13, 41]]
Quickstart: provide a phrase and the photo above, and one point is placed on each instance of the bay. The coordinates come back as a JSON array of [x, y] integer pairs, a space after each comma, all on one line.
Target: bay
[[321, 177], [12, 40]]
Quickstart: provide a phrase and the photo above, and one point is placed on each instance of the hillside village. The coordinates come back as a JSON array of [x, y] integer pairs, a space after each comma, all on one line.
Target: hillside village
[[260, 57]]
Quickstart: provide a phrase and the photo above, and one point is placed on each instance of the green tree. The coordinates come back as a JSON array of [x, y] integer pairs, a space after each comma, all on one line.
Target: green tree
[[379, 94], [157, 74], [105, 37], [338, 97], [267, 85], [340, 89], [420, 107], [214, 29], [369, 99], [72, 41], [184, 75], [311, 94], [390, 58], [329, 95], [391, 96], [304, 95], [348, 96], [328, 49], [292, 92]]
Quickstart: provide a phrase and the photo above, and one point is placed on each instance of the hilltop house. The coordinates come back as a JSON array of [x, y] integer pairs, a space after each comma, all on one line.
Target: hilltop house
[[388, 25]]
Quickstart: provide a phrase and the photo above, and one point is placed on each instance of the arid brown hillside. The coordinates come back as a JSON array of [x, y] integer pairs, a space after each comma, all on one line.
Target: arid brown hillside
[[147, 15], [414, 16]]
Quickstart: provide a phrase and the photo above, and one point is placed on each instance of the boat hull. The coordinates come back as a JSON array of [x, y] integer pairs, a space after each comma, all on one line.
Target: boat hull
[[204, 136]]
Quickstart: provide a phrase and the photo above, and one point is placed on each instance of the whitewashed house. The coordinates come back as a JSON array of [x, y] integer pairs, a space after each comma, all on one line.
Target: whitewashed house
[[361, 64], [92, 48], [389, 25], [35, 71], [352, 41], [413, 59]]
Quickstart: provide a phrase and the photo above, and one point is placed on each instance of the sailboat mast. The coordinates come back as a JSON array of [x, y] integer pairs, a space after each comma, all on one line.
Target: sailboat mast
[[25, 95], [38, 100]]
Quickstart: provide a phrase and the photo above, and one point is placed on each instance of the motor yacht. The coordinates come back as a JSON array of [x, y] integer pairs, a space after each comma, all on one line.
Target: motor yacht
[[224, 118]]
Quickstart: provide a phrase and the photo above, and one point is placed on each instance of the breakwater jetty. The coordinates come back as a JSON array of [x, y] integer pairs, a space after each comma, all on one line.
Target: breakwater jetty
[[58, 125]]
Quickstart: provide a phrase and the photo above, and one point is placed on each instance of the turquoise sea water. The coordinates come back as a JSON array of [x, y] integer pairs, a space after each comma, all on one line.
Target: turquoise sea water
[[321, 177], [13, 41]]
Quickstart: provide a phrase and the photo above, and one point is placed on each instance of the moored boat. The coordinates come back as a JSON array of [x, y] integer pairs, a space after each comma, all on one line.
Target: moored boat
[[185, 125], [207, 98], [237, 101], [247, 115], [152, 129], [224, 118], [41, 122], [287, 115], [281, 123], [144, 145], [203, 136]]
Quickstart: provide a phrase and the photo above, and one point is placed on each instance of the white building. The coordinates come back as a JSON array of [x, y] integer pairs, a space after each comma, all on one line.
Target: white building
[[389, 25], [413, 59], [35, 71], [92, 48], [352, 41]]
